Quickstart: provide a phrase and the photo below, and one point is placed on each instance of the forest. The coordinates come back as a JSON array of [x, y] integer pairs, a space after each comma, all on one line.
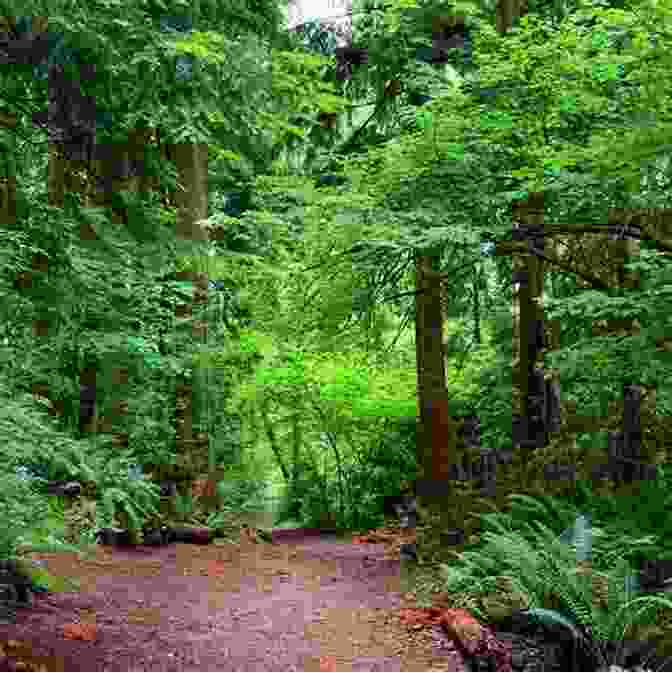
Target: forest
[[302, 278]]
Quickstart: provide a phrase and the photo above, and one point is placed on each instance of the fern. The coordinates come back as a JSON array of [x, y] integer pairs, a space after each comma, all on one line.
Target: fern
[[547, 573], [574, 592], [556, 579], [496, 522], [508, 551], [612, 628]]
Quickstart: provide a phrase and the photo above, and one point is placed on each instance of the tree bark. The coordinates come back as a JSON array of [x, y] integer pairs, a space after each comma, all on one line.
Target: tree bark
[[507, 12], [432, 393], [436, 436], [191, 195], [528, 314]]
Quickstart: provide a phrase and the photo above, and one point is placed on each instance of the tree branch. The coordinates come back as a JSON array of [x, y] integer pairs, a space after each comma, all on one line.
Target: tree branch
[[593, 280], [644, 231]]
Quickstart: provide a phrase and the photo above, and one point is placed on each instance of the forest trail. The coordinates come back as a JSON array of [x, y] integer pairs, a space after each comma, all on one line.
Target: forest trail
[[309, 604]]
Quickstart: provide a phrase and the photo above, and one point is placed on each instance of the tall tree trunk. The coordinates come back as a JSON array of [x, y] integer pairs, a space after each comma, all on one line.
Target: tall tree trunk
[[191, 195], [528, 316], [8, 175], [432, 392], [436, 434], [526, 273], [190, 160], [507, 13]]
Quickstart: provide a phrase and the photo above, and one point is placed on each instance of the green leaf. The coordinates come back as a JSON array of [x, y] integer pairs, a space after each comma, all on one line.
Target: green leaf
[[424, 119], [495, 119], [606, 72], [600, 40], [152, 360], [455, 151], [568, 103]]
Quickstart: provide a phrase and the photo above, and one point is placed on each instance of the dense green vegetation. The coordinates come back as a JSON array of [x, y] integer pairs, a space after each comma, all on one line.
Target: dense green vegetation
[[305, 383]]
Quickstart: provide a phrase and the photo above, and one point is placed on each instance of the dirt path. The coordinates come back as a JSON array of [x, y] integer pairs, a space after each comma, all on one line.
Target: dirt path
[[308, 605]]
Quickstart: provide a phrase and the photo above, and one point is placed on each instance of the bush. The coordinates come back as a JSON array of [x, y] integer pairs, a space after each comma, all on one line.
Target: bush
[[131, 502], [303, 500], [379, 470], [20, 508], [238, 493], [26, 438], [241, 494], [383, 471]]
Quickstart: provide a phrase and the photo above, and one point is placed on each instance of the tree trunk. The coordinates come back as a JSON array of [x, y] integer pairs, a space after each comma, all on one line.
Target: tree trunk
[[88, 420], [191, 196], [507, 13], [528, 318], [432, 392], [436, 434], [8, 177]]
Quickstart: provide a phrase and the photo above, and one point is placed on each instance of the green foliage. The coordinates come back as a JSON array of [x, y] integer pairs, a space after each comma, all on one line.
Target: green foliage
[[148, 351], [241, 491], [492, 401], [50, 534], [552, 512], [296, 369], [300, 93], [132, 500], [616, 359], [304, 498], [381, 470], [543, 567], [526, 544], [29, 516], [185, 505], [353, 490], [647, 512], [644, 515], [20, 508]]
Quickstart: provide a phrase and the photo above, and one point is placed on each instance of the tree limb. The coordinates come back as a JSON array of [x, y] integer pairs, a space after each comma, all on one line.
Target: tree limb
[[634, 230]]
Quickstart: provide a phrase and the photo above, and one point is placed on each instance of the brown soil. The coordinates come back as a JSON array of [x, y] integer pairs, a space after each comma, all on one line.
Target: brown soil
[[302, 605]]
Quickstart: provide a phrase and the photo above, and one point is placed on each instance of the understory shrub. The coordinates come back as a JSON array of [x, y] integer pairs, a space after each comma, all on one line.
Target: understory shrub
[[129, 502], [384, 469], [597, 603], [26, 437], [20, 508], [304, 499], [353, 497], [241, 493], [648, 514]]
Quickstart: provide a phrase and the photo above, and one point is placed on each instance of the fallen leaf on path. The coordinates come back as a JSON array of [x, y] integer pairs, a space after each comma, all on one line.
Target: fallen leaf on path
[[79, 632], [216, 568], [422, 616], [327, 663]]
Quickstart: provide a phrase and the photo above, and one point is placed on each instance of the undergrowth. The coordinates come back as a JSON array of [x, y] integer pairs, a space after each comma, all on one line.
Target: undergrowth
[[576, 567]]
